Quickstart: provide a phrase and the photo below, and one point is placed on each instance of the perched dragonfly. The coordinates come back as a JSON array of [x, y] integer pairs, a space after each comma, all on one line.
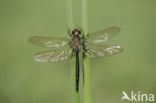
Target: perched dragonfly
[[63, 48]]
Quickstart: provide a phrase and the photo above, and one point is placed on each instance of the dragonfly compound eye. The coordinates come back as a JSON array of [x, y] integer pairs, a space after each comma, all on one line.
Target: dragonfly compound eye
[[73, 32], [76, 32], [79, 32]]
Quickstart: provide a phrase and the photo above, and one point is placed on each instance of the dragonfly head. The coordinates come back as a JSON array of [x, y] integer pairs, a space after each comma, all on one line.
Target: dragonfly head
[[76, 32]]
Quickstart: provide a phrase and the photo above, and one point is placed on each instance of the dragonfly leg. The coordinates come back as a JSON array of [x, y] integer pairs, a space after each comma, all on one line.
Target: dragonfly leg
[[84, 38], [82, 32], [69, 32], [85, 51], [70, 44]]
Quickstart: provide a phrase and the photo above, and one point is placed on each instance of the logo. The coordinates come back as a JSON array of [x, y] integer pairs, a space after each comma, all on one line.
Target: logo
[[137, 97]]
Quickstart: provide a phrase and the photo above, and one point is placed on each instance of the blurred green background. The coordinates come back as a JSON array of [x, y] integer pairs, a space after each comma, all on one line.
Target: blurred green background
[[22, 80]]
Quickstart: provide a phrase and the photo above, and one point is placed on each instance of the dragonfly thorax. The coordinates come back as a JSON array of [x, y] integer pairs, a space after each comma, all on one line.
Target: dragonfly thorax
[[76, 39]]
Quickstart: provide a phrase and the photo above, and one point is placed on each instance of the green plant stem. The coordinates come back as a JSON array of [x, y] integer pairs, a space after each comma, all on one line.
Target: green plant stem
[[87, 96], [70, 26], [85, 17], [69, 14]]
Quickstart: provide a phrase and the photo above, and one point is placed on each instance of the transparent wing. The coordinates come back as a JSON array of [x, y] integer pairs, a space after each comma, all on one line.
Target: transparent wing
[[103, 50], [103, 35], [54, 55], [49, 42]]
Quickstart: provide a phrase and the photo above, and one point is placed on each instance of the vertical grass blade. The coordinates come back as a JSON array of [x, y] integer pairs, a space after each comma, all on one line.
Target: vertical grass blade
[[69, 14], [85, 17], [87, 96], [70, 26]]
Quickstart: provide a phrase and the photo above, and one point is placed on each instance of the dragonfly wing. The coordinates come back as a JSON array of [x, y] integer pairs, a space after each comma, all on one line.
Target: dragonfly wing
[[54, 55], [103, 35], [103, 50], [49, 42]]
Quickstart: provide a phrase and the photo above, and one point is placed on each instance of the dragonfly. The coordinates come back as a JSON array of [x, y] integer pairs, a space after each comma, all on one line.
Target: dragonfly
[[62, 49]]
